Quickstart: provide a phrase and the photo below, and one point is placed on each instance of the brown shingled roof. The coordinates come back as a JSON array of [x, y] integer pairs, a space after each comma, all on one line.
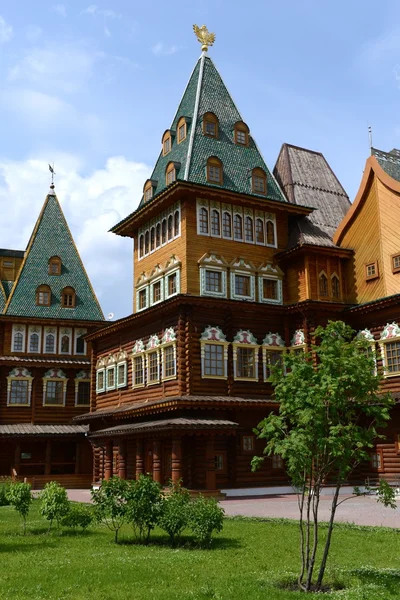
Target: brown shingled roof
[[166, 424], [31, 429]]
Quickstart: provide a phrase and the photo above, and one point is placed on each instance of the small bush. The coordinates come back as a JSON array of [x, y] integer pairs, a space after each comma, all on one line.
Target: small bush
[[110, 502], [54, 502], [20, 497], [4, 487], [144, 506], [78, 515], [174, 515], [205, 517]]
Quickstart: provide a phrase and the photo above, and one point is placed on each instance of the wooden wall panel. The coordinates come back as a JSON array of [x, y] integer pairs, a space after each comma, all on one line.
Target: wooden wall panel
[[389, 212]]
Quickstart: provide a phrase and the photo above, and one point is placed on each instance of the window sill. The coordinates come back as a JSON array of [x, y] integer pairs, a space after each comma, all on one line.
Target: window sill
[[149, 383], [170, 378], [47, 404], [82, 405], [17, 405], [221, 377], [138, 386], [246, 379]]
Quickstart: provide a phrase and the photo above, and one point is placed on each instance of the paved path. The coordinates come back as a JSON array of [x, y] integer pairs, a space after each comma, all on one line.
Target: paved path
[[362, 511]]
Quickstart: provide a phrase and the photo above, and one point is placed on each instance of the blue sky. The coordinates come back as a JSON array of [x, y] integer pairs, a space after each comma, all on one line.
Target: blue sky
[[93, 87]]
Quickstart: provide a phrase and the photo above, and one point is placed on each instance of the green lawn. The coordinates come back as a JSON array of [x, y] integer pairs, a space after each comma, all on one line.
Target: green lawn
[[246, 561]]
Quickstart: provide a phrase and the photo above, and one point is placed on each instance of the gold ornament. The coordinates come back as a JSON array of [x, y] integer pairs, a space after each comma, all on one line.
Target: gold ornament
[[205, 38]]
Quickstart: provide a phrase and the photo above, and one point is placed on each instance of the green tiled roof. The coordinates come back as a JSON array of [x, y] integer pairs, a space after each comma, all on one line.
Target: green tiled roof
[[7, 285], [389, 161], [52, 237], [206, 92], [3, 297]]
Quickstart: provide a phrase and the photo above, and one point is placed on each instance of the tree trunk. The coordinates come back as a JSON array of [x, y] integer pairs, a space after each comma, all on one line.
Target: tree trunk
[[301, 526], [328, 537], [315, 504]]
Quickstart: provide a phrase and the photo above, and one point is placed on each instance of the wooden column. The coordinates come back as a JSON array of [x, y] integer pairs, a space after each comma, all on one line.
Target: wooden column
[[139, 458], [17, 457], [157, 461], [210, 464], [47, 466], [96, 463], [108, 467], [176, 460], [122, 459], [77, 458]]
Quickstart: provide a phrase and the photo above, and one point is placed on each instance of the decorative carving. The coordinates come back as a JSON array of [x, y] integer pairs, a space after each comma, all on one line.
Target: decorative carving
[[20, 372], [138, 347], [366, 334], [120, 356], [391, 330], [212, 334], [153, 342], [172, 262], [83, 375], [169, 336], [245, 337], [270, 269], [241, 264], [205, 37], [273, 339], [55, 373], [213, 259], [298, 338]]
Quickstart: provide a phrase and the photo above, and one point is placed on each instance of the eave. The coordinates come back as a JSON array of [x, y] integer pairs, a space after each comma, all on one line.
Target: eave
[[379, 303], [301, 249]]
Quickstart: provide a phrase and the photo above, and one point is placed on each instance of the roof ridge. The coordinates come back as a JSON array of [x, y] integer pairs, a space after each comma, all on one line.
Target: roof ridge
[[195, 115], [320, 189]]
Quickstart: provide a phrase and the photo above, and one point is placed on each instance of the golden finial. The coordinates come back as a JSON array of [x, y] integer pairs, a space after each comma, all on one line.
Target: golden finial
[[205, 38]]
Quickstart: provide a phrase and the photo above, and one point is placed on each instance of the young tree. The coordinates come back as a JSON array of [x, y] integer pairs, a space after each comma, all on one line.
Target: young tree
[[144, 506], [54, 502], [20, 497], [175, 511], [330, 411], [110, 502]]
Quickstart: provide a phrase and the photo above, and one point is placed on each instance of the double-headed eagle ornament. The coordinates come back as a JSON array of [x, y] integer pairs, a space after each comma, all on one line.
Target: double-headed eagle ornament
[[205, 38]]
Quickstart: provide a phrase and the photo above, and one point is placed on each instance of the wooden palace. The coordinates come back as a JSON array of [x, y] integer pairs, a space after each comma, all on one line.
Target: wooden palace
[[47, 306], [233, 266]]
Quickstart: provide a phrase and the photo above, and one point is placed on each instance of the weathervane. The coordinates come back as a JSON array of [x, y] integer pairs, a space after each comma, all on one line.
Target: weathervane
[[205, 38], [52, 171]]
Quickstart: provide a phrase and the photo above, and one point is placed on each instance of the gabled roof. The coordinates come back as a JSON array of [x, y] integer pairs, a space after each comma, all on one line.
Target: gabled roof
[[389, 161], [308, 180], [206, 92], [52, 237]]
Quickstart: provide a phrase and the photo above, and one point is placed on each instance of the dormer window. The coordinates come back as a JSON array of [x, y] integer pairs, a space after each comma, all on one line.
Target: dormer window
[[241, 134], [55, 265], [43, 295], [210, 125], [214, 170], [148, 191], [166, 142], [68, 297], [259, 181], [170, 174], [182, 129]]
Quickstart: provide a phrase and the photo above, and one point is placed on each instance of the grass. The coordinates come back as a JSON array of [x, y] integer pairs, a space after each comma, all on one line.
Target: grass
[[249, 560]]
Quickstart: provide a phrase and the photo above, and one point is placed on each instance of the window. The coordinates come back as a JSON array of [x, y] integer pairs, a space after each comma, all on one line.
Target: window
[[396, 263], [259, 181], [376, 461], [277, 462], [243, 285], [214, 360], [219, 461], [248, 443], [54, 392], [371, 271], [138, 371], [259, 231], [248, 229], [272, 358], [100, 381], [170, 227], [110, 377], [237, 227], [392, 352], [50, 343], [121, 375], [158, 235], [214, 281], [203, 220], [43, 295], [142, 299], [335, 283], [214, 170], [215, 223], [164, 231], [18, 342], [146, 242], [245, 363], [80, 344], [170, 176], [169, 362], [152, 239], [210, 125], [226, 225], [19, 387], [270, 289], [141, 246], [214, 353], [68, 297], [176, 223], [54, 388], [148, 191], [182, 129], [55, 265], [245, 356], [166, 142], [270, 233], [153, 367], [34, 342], [157, 291], [323, 285], [241, 134], [172, 287], [82, 397], [242, 280]]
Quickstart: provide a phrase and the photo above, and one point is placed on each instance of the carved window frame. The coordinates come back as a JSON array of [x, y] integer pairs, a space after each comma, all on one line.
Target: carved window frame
[[18, 329], [19, 374], [215, 163], [100, 388], [250, 345], [149, 351], [138, 352], [369, 275], [65, 332], [55, 260], [210, 117], [168, 341], [59, 377], [213, 336], [258, 174]]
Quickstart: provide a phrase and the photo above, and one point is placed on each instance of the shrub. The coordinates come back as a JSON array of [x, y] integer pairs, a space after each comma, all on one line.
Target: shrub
[[54, 502], [4, 487], [110, 502], [78, 515], [205, 517], [174, 514], [144, 506], [20, 497]]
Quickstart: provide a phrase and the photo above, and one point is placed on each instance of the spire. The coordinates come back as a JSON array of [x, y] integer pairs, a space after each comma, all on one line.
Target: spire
[[51, 238]]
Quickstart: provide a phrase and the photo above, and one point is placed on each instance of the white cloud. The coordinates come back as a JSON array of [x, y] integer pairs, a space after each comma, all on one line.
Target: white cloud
[[94, 10], [161, 49], [33, 33], [92, 204], [60, 9], [6, 31]]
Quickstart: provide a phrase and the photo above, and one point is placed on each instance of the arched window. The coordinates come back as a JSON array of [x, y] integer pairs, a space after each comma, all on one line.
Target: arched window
[[176, 223], [146, 242], [68, 297], [181, 129], [18, 344], [335, 284], [158, 235], [241, 134], [55, 265], [237, 227], [148, 190], [248, 229], [50, 343], [152, 238], [323, 285], [164, 231], [43, 295], [203, 220], [270, 234], [170, 228], [170, 173], [210, 125], [215, 223], [214, 170], [259, 181], [166, 142], [65, 344], [34, 342], [226, 225], [141, 246], [259, 231]]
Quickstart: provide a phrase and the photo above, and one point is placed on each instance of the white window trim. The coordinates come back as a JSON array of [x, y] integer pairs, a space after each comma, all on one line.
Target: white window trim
[[147, 353], [235, 296], [203, 289], [176, 209], [382, 344], [159, 221], [161, 280], [108, 369], [273, 221], [163, 348], [54, 334], [19, 329], [225, 345], [65, 331], [11, 378], [143, 357], [265, 351], [45, 382], [239, 214], [31, 331], [103, 388], [253, 228], [261, 298], [228, 212], [218, 210], [146, 288], [255, 231], [178, 283], [78, 333], [201, 205], [255, 348], [77, 382], [125, 382]]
